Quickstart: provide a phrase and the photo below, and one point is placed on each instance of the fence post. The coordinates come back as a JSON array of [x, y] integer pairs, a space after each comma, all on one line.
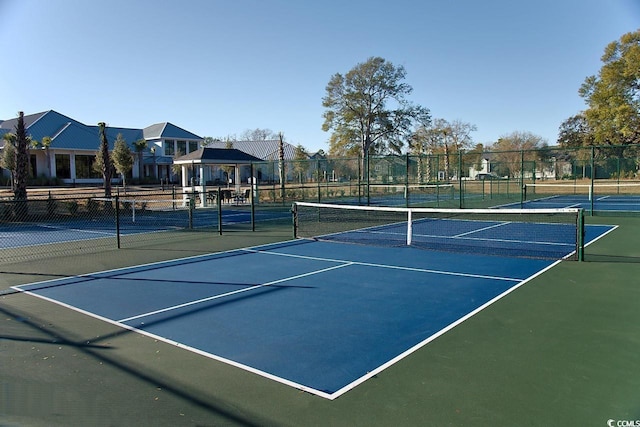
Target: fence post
[[593, 177], [460, 179], [252, 200], [118, 221], [522, 185], [219, 203], [406, 183]]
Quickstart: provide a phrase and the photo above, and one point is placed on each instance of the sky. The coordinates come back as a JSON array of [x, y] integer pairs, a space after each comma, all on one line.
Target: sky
[[221, 67]]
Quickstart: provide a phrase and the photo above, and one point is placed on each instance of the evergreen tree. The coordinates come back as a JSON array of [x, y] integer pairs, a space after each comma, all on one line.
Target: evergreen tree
[[122, 158], [103, 160], [22, 160]]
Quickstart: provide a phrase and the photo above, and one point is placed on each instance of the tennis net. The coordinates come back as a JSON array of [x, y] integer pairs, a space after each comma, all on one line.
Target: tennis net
[[531, 233]]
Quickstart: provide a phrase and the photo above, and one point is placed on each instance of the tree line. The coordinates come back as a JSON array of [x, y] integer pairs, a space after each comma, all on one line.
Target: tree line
[[368, 112]]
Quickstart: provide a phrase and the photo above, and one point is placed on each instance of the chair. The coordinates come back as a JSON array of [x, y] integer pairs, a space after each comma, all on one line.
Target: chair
[[242, 196], [211, 196]]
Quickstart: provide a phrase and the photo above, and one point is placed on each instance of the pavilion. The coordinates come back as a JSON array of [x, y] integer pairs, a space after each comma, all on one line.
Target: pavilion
[[197, 169]]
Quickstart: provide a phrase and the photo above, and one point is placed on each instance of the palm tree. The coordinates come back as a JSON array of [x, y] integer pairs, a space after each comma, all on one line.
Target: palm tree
[[139, 146], [8, 160]]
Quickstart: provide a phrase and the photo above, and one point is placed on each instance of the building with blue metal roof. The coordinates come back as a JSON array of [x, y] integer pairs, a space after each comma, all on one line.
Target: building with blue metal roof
[[70, 156]]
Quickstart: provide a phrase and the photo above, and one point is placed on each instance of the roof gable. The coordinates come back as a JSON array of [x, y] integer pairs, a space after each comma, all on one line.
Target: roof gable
[[28, 121], [154, 131], [39, 125], [168, 130]]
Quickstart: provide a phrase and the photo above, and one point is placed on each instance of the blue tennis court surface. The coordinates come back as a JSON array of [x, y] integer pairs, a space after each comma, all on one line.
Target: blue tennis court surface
[[319, 316]]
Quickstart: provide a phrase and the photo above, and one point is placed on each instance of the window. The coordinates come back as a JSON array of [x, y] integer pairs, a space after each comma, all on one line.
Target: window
[[193, 146], [182, 148], [84, 167], [63, 166], [169, 148]]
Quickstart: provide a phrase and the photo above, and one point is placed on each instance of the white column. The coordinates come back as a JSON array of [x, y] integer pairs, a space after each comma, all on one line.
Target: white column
[[203, 187], [185, 185]]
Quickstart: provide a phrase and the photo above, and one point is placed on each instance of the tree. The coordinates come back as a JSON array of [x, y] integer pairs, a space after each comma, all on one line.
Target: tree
[[258, 135], [455, 136], [103, 160], [139, 146], [426, 141], [442, 137], [575, 132], [510, 150], [45, 144], [122, 158], [613, 96], [301, 162], [22, 159], [281, 168], [8, 160], [228, 169], [367, 108]]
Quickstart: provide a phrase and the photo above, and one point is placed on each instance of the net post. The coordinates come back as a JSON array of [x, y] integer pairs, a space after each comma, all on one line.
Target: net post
[[409, 227], [580, 236], [294, 219]]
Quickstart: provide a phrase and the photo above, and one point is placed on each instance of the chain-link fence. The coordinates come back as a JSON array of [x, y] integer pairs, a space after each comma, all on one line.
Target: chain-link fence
[[58, 220], [65, 222]]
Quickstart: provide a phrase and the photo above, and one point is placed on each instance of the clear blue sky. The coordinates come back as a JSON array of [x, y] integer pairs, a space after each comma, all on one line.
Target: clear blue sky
[[218, 68]]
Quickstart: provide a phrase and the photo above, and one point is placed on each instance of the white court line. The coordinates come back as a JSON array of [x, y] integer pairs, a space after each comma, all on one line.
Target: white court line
[[441, 332], [214, 297], [393, 267], [482, 229], [256, 249], [76, 230]]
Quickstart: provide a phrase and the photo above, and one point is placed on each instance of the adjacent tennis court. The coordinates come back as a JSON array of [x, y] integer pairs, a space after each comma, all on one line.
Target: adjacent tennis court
[[326, 316], [590, 197], [131, 222]]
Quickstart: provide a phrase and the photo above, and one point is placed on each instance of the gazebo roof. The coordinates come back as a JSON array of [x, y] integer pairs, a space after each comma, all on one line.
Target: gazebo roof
[[217, 156]]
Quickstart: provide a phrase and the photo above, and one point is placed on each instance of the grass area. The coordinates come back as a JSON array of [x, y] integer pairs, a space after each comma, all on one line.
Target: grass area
[[562, 349]]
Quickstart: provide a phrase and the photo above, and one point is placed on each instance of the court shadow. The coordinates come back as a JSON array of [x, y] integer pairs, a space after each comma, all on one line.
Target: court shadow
[[613, 259], [49, 334]]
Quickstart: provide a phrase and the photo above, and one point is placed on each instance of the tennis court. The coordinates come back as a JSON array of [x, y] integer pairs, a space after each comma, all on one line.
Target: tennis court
[[615, 198], [320, 316]]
